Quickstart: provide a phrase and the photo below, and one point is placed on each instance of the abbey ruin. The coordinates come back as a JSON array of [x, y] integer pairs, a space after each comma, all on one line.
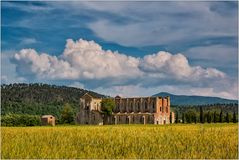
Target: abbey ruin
[[140, 110]]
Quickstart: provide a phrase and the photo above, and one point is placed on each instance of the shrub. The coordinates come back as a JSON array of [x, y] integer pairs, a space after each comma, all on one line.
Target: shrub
[[20, 120], [67, 114], [107, 106]]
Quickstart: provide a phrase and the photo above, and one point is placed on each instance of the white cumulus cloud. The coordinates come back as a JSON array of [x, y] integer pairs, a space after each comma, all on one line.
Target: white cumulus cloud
[[29, 62], [177, 67], [85, 61], [94, 63]]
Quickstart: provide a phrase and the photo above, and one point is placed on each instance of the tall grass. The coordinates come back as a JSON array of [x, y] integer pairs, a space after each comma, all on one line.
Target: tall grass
[[122, 141]]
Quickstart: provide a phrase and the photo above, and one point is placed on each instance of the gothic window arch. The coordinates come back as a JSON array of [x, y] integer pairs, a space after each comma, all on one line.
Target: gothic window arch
[[145, 105], [87, 107], [142, 119], [131, 106], [138, 106], [153, 105], [117, 107], [127, 120], [125, 105]]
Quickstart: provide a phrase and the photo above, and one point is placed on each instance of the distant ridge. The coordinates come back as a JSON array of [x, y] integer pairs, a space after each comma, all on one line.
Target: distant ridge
[[194, 100]]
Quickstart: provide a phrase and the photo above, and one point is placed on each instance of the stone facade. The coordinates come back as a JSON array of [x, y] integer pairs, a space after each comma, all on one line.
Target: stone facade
[[141, 110], [90, 110]]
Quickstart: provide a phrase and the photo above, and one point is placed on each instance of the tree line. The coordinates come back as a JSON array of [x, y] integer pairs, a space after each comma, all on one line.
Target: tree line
[[191, 116], [67, 116]]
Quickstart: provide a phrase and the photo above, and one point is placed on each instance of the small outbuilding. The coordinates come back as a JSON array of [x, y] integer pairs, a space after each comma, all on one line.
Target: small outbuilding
[[48, 120]]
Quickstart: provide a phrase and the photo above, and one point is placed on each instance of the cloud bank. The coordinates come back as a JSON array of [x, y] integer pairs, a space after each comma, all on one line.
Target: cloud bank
[[85, 61]]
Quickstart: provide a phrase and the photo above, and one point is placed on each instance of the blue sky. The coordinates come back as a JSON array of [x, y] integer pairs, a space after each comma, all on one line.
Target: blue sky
[[198, 41]]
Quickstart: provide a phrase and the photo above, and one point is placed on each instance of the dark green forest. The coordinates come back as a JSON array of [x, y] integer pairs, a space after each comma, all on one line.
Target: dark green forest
[[40, 99]]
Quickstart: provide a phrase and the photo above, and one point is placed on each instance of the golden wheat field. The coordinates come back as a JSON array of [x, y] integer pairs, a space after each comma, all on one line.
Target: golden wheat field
[[122, 141]]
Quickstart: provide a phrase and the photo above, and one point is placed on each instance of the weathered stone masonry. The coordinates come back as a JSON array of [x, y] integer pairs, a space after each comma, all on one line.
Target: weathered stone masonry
[[141, 110]]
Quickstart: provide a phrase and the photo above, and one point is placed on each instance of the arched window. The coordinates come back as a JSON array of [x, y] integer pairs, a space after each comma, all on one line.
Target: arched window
[[146, 105], [131, 107], [127, 120], [142, 120], [125, 106], [87, 107], [118, 107], [138, 105], [153, 105]]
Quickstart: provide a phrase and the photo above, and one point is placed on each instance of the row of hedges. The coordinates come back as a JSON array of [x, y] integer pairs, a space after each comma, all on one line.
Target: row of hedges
[[20, 120]]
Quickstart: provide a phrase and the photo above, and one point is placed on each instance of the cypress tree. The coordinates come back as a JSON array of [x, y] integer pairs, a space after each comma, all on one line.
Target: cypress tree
[[183, 118], [221, 117], [234, 118], [188, 117], [209, 117], [170, 117], [201, 115], [227, 118], [214, 117], [176, 118], [195, 118]]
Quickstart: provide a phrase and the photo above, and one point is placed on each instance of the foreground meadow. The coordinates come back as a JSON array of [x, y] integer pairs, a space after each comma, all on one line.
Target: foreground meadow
[[122, 141]]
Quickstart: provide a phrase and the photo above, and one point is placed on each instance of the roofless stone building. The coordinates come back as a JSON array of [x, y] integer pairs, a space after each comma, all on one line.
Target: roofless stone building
[[48, 120], [136, 110]]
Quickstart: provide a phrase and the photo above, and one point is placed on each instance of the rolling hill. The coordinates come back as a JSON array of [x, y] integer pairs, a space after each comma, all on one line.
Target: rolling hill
[[194, 100], [39, 99]]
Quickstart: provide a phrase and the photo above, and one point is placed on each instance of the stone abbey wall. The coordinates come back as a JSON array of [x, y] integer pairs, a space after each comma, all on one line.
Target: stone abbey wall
[[89, 117], [131, 119], [140, 110], [143, 110]]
